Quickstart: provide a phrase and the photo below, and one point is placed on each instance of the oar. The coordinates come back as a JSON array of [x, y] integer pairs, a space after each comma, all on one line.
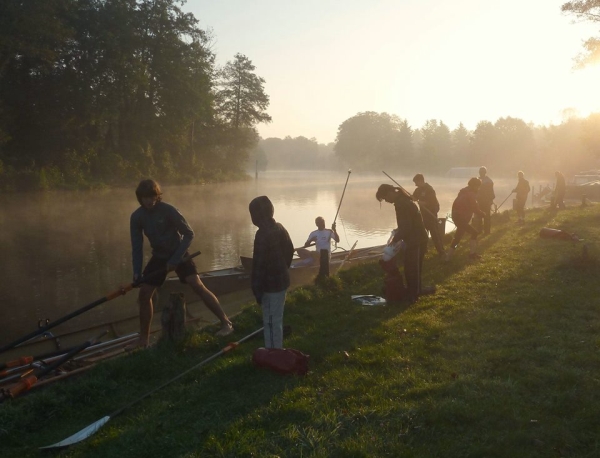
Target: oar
[[346, 257], [27, 381], [342, 198], [24, 362], [119, 292], [498, 207], [408, 194], [94, 427]]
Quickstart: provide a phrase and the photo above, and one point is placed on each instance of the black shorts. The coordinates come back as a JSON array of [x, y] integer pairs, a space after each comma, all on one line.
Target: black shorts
[[159, 265]]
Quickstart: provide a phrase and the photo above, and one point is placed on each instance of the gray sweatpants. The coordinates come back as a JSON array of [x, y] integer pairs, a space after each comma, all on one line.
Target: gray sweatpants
[[272, 307]]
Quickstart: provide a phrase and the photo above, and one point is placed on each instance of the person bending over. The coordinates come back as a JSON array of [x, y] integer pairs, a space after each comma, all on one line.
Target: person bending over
[[463, 208]]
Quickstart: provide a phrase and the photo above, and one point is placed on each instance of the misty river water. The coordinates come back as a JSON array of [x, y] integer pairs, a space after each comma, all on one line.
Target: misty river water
[[63, 250]]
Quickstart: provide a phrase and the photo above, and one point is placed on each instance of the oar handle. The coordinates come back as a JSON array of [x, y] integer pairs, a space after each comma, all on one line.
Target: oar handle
[[119, 292]]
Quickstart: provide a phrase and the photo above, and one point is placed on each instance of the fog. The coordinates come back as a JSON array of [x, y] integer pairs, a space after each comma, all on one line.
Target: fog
[[63, 250]]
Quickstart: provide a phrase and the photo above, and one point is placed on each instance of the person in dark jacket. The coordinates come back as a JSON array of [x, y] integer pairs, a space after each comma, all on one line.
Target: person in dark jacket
[[425, 195], [559, 191], [271, 259], [464, 207], [410, 229], [522, 191], [170, 237], [485, 199]]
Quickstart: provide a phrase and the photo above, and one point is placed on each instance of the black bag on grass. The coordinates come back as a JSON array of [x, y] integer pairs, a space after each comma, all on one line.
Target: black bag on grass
[[281, 360]]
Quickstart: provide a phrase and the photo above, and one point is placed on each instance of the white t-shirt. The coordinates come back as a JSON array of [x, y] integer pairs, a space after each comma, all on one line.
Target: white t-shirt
[[322, 239]]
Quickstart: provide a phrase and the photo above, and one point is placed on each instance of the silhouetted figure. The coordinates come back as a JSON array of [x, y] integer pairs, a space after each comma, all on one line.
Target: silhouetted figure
[[522, 191], [170, 237], [271, 259], [559, 191], [322, 238], [425, 196], [485, 199], [463, 208], [410, 229]]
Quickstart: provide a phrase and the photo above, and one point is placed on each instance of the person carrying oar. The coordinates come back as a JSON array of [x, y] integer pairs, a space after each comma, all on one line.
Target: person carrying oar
[[410, 229], [463, 208], [425, 196], [485, 200], [322, 240], [522, 191], [170, 237]]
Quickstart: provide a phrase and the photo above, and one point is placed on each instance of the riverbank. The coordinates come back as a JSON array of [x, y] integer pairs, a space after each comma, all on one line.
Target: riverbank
[[502, 361]]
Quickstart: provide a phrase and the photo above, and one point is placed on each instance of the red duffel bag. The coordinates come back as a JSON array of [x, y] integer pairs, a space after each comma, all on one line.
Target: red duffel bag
[[282, 360]]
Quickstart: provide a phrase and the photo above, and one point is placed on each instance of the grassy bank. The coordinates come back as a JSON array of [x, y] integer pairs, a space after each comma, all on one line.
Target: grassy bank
[[503, 361]]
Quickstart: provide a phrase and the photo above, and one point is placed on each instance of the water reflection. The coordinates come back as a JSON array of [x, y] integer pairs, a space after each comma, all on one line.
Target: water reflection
[[62, 250]]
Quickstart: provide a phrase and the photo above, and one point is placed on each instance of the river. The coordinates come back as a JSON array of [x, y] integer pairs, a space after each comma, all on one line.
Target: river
[[63, 250]]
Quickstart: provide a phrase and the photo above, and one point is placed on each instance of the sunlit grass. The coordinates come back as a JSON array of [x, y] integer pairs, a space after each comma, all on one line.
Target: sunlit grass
[[502, 361]]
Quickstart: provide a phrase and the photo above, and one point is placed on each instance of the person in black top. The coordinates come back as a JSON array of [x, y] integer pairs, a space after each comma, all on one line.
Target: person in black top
[[522, 191], [559, 192], [485, 199], [410, 229], [463, 208], [271, 259], [425, 195]]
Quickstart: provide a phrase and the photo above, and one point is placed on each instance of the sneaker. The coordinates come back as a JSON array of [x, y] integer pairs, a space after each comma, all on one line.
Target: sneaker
[[225, 330]]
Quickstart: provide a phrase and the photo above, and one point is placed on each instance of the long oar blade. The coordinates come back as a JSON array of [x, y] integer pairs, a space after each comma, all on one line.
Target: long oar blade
[[94, 427], [80, 435]]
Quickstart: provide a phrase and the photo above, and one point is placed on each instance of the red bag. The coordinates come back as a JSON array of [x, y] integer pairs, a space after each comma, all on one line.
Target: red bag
[[282, 360]]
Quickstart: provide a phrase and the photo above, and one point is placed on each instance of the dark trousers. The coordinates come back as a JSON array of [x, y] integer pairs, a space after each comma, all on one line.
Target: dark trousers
[[520, 207], [324, 263], [558, 200], [462, 228], [413, 264], [431, 224], [486, 208]]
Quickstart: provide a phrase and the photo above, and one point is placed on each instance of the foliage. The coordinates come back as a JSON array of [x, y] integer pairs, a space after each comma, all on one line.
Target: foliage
[[113, 91], [370, 141], [587, 10], [298, 153]]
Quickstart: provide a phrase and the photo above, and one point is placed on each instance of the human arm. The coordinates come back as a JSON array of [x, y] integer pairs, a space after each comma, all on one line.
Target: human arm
[[334, 233], [187, 235], [259, 265], [311, 239], [137, 245]]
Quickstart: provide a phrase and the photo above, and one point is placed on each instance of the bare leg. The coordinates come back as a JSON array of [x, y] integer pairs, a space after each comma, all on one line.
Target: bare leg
[[211, 301], [146, 313]]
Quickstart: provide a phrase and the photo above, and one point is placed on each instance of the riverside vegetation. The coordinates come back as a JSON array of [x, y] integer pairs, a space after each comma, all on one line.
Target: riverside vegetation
[[501, 362]]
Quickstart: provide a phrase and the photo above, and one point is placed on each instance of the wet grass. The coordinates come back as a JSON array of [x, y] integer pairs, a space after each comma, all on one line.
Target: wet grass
[[501, 362]]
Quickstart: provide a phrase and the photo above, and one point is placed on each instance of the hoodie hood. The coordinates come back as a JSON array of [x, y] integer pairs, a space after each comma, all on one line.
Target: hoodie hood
[[261, 211]]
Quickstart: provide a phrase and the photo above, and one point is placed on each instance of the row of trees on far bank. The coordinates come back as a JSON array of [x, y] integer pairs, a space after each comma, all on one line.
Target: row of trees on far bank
[[375, 141], [109, 91]]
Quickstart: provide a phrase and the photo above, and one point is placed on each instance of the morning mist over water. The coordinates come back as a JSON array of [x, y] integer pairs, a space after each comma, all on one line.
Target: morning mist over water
[[63, 250]]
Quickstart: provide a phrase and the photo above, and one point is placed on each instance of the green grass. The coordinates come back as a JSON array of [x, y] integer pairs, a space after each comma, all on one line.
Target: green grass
[[503, 361]]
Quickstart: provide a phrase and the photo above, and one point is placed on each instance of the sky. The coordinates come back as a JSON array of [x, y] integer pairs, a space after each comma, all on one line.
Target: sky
[[325, 61]]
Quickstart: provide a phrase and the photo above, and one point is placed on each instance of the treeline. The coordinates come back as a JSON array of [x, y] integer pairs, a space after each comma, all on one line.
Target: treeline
[[298, 153], [109, 91], [376, 141]]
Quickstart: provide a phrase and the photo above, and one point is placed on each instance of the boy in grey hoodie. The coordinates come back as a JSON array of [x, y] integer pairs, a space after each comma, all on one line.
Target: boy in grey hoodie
[[272, 257]]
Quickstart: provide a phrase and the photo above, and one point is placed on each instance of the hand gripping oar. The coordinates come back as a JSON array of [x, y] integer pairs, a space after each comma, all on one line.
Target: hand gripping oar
[[408, 194], [27, 381], [94, 427], [498, 207], [119, 292]]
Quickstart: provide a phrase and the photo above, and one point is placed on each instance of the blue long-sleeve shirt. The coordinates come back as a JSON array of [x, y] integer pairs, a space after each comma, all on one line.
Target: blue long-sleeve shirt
[[167, 231]]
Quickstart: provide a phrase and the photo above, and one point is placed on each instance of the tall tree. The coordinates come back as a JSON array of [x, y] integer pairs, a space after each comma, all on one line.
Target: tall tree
[[587, 10], [461, 141], [241, 103]]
